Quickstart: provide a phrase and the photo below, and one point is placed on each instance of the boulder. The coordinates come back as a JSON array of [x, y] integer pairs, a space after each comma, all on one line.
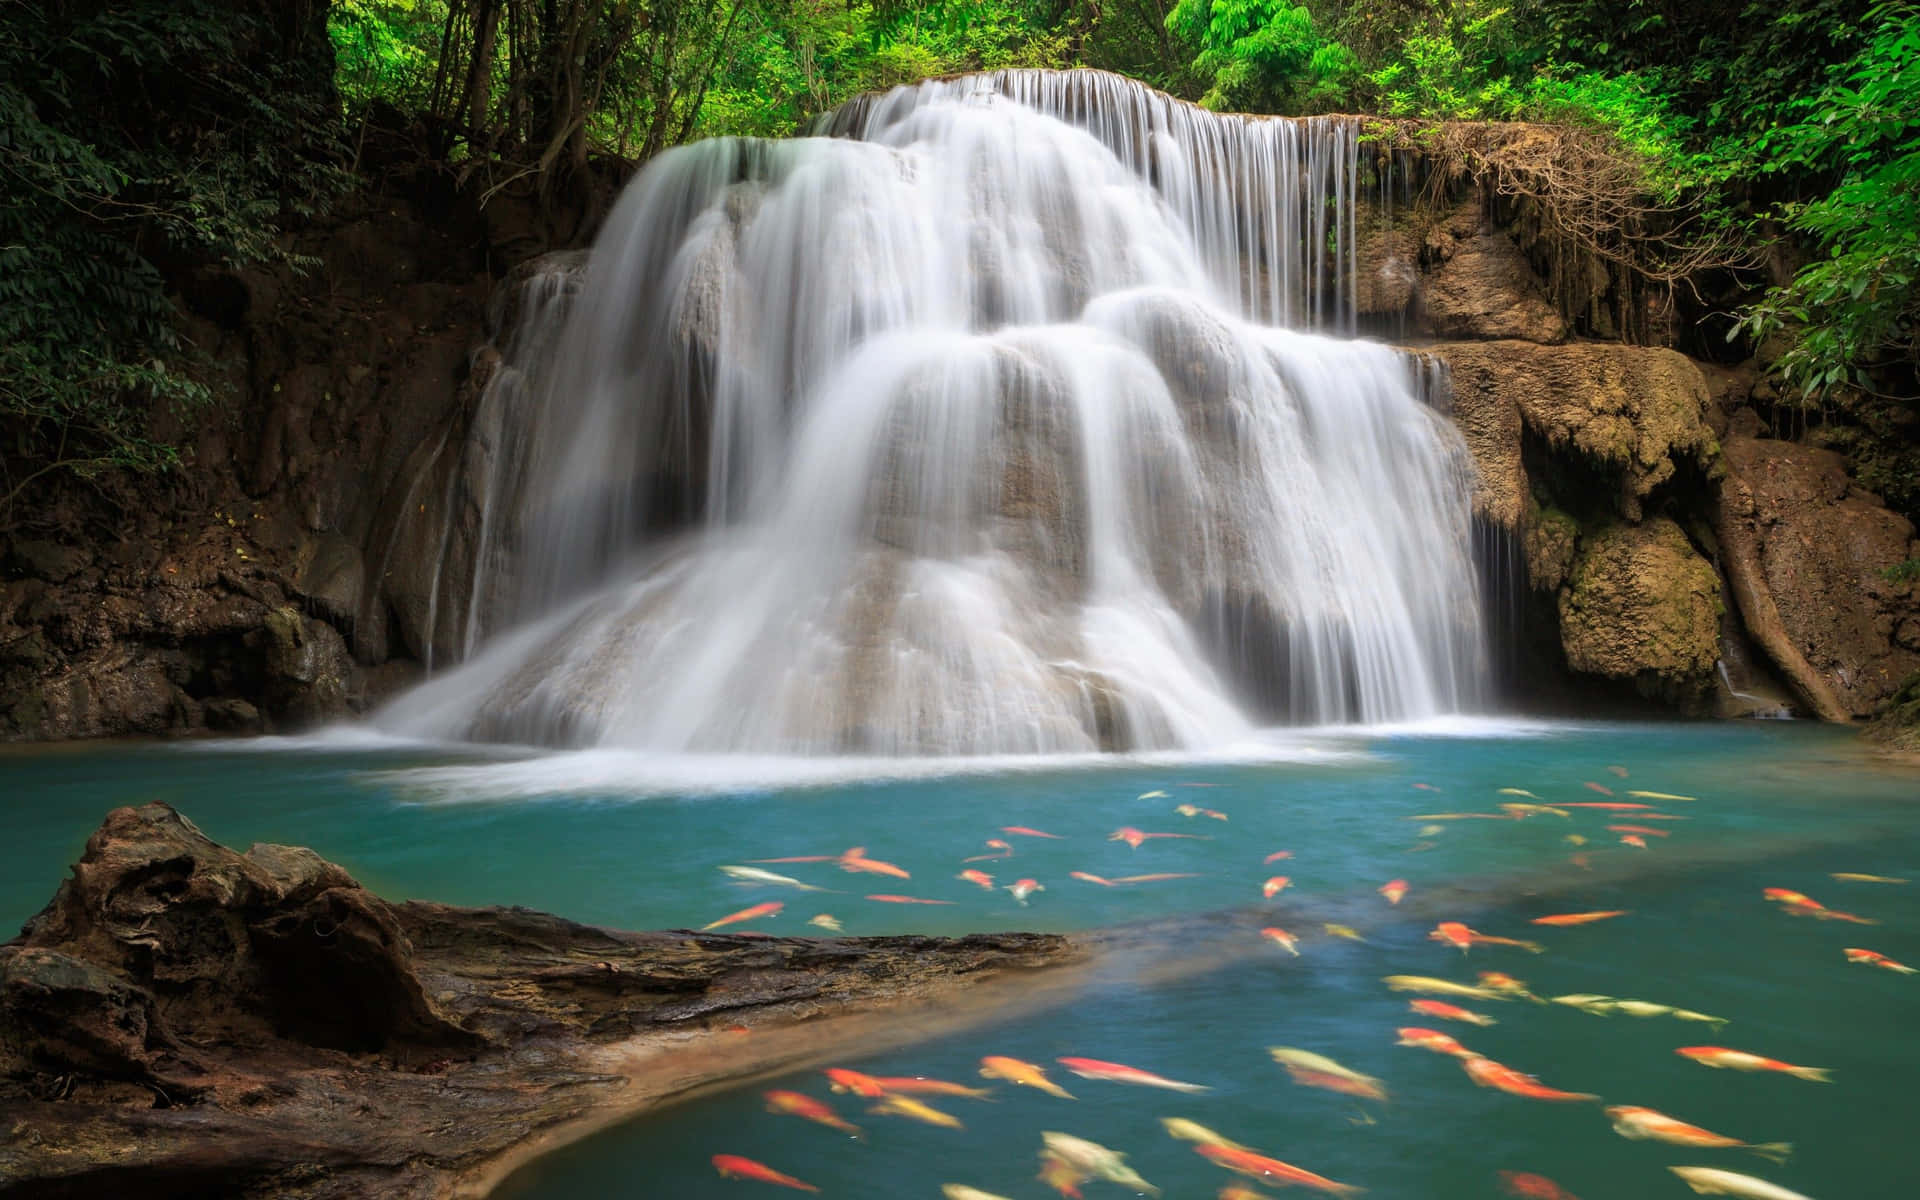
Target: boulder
[[1809, 553], [1485, 289], [1640, 605]]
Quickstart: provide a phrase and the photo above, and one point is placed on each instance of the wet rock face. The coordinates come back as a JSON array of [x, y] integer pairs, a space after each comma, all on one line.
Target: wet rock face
[[1823, 547], [1642, 606], [1485, 289]]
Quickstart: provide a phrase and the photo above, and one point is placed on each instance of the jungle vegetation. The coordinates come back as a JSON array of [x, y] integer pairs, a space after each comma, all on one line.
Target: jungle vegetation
[[143, 135]]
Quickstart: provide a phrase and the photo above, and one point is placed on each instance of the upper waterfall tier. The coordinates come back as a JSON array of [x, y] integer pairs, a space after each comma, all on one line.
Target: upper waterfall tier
[[972, 429]]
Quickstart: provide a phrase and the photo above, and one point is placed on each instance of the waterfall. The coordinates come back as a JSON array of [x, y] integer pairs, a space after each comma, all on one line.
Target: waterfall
[[988, 420]]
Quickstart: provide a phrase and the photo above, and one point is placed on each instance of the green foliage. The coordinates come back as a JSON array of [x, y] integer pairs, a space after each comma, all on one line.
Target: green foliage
[[1263, 55], [1858, 307], [385, 50], [98, 184]]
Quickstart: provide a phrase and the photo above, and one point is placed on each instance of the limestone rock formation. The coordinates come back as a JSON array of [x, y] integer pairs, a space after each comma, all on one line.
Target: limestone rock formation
[[1642, 606], [1482, 286], [1808, 552]]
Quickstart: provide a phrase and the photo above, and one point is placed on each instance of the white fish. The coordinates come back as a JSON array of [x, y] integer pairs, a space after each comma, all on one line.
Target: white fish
[[1712, 1181], [1659, 796], [825, 921], [960, 1191], [756, 875], [1094, 1159], [1153, 795], [1193, 1131], [1518, 792]]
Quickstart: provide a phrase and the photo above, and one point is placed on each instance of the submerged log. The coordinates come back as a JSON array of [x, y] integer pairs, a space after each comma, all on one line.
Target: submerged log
[[185, 1020]]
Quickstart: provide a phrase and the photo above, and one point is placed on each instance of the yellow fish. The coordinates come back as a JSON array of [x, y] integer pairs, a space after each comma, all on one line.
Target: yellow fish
[[825, 921], [1660, 796], [905, 1106], [1574, 839], [1441, 987], [1851, 877], [1523, 811], [1343, 931], [1021, 1074], [1518, 792], [1192, 1131]]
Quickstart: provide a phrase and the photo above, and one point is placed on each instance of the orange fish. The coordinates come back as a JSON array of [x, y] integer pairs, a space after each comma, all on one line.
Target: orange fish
[[1272, 1170], [1580, 918], [1275, 857], [1632, 1121], [1528, 1186], [1003, 850], [915, 1085], [1454, 933], [865, 1086], [1488, 1073], [1023, 831], [1740, 1060], [889, 898], [1393, 890], [1158, 878], [1282, 938], [856, 859], [746, 914], [1274, 886], [1062, 1176], [1084, 877], [1642, 830], [1431, 1039], [1873, 958], [1791, 898], [1347, 1085], [1020, 1074], [1448, 1012], [806, 1106], [1133, 837], [978, 877], [732, 1166], [1602, 788], [1633, 839], [1112, 1072], [1022, 888], [1620, 771]]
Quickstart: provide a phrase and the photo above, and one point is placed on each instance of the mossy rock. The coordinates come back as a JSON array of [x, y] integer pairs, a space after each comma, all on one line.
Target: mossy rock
[[1641, 605]]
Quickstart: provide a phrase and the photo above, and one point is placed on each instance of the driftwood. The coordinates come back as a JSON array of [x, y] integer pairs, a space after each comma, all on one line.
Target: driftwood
[[186, 1020]]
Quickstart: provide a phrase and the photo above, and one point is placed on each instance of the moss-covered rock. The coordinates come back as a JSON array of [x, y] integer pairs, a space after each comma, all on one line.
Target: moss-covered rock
[[1549, 541], [1641, 605]]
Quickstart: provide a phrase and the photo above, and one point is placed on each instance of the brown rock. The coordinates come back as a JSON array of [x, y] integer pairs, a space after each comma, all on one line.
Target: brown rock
[[1388, 272], [1819, 548], [1485, 289], [1641, 605]]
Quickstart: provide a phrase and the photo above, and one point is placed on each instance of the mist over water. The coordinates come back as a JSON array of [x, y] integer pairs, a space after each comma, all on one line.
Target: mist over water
[[990, 424]]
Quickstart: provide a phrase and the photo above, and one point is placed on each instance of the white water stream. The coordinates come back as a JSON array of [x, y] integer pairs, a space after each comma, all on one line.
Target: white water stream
[[976, 428]]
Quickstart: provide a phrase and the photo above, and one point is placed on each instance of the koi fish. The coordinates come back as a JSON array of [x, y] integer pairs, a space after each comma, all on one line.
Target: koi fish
[[1259, 1166], [755, 875], [1022, 888], [1660, 796], [1642, 830], [1448, 1012], [1394, 890], [1430, 831], [1184, 1130], [732, 1166], [1275, 886], [1521, 812], [1002, 850], [1020, 1074], [1430, 1039], [1161, 877], [1112, 1072], [1086, 878], [1440, 987], [1488, 1073], [960, 1191], [1317, 1070], [1500, 981], [1023, 831], [1660, 816], [1275, 857], [840, 1079], [1645, 1009], [1740, 1060], [746, 914], [1529, 1186], [1061, 1176], [1342, 931], [1873, 958], [894, 1105], [1791, 899], [1194, 810], [1711, 1181], [1588, 1002], [1094, 1160], [1282, 939], [1517, 792], [1133, 837], [1632, 1121], [825, 921], [1602, 788], [796, 1104], [1454, 933], [1607, 805], [1579, 918], [977, 877], [1574, 839], [891, 898], [915, 1085], [856, 860], [1620, 771], [1633, 839], [1155, 794], [1852, 877]]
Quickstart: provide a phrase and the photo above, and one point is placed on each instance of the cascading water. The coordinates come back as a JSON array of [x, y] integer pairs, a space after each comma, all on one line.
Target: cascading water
[[972, 428]]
